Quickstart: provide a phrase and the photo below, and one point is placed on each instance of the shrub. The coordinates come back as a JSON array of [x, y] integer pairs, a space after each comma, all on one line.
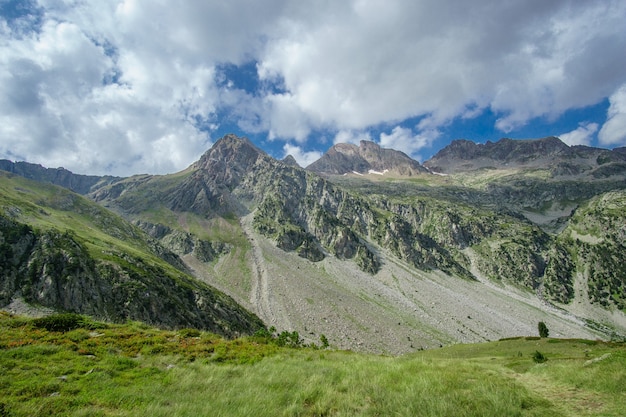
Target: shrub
[[289, 339], [188, 332], [324, 341], [539, 357], [543, 329], [60, 322]]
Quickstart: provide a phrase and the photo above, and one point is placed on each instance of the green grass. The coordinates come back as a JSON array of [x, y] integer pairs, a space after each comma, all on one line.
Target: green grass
[[135, 370]]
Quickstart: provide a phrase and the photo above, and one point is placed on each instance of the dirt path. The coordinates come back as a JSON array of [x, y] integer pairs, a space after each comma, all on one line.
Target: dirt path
[[568, 400]]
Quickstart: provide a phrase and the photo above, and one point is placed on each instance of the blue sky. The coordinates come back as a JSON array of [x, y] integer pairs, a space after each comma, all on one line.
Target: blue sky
[[139, 86]]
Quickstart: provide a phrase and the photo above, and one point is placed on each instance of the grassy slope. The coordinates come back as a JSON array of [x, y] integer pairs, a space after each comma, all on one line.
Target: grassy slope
[[106, 236], [134, 370], [45, 206]]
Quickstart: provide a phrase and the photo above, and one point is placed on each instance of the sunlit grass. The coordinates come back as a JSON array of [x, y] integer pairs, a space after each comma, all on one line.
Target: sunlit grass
[[135, 370]]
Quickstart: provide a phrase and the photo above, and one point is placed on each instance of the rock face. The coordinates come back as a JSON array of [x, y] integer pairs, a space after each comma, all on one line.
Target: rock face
[[344, 158]]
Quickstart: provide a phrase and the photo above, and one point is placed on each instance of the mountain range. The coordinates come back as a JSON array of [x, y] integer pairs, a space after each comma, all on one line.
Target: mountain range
[[366, 245]]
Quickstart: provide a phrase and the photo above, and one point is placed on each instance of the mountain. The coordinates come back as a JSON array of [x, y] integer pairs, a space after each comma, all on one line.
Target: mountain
[[548, 153], [368, 157], [397, 265]]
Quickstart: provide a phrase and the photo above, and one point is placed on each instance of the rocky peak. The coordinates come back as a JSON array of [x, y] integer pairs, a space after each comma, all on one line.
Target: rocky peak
[[464, 155], [230, 149], [290, 161], [344, 158], [228, 160]]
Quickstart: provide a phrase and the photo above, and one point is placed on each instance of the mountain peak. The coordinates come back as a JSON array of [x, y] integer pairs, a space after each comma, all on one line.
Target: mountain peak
[[344, 158], [291, 161], [231, 151], [464, 155]]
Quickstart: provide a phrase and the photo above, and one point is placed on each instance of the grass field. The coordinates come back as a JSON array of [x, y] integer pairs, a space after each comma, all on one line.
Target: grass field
[[133, 370]]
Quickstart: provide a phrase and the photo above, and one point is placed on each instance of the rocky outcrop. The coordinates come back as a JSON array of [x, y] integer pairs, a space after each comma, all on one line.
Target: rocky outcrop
[[592, 246], [184, 243]]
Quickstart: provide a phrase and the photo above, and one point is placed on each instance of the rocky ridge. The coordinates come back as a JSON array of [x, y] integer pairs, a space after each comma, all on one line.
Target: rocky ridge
[[81, 184], [548, 153]]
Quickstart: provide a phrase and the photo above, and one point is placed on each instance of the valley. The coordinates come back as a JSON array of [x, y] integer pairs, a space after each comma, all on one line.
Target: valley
[[382, 263]]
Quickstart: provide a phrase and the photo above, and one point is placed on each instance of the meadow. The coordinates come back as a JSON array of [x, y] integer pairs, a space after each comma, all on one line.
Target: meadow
[[86, 368]]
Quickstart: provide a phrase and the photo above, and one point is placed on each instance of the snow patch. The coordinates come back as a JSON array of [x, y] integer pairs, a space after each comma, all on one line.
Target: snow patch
[[371, 171]]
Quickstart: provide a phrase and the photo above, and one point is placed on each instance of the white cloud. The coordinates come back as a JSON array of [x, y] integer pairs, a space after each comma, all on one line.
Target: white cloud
[[304, 158], [286, 120], [613, 132], [582, 135], [380, 62], [131, 85], [404, 140]]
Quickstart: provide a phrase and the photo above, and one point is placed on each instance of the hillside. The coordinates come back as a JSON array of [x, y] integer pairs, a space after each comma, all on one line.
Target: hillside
[[61, 251], [394, 263]]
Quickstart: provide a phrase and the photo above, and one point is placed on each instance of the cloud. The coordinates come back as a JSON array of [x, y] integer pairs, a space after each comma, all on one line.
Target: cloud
[[135, 85], [583, 135], [304, 158], [69, 98], [378, 62], [404, 140], [613, 132]]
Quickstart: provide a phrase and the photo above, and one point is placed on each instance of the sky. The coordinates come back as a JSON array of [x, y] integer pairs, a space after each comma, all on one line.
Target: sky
[[124, 87]]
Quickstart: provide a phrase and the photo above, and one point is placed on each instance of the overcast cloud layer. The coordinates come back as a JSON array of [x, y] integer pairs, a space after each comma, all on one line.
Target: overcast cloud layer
[[125, 87]]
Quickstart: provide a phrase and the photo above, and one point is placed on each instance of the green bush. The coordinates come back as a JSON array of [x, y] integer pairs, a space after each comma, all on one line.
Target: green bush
[[324, 341], [539, 357], [289, 339], [543, 329], [189, 332], [60, 322]]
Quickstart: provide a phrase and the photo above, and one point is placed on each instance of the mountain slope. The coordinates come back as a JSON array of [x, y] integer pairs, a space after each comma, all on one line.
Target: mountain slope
[[63, 252], [304, 244]]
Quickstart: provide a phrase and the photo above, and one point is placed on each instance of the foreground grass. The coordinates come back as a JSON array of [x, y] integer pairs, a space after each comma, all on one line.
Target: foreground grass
[[134, 370]]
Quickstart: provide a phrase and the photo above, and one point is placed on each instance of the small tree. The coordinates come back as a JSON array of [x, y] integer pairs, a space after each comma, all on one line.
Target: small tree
[[324, 341], [543, 329]]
